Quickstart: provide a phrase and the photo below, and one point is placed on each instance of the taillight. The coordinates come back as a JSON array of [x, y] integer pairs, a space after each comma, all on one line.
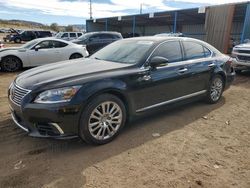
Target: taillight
[[229, 65]]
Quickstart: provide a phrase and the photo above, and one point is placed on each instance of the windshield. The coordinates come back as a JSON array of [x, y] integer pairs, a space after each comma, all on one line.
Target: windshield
[[85, 36], [58, 35], [124, 51], [29, 44]]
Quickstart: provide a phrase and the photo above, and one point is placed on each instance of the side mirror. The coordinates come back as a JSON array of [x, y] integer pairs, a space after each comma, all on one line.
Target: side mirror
[[37, 47], [158, 61]]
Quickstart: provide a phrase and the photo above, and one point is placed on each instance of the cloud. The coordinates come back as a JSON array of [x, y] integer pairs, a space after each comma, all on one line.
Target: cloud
[[80, 8]]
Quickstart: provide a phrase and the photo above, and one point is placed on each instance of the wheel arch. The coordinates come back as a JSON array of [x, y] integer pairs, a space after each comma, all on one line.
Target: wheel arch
[[11, 55], [75, 53], [116, 92]]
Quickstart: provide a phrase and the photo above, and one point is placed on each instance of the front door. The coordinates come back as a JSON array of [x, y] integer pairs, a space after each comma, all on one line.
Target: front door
[[46, 53], [165, 84]]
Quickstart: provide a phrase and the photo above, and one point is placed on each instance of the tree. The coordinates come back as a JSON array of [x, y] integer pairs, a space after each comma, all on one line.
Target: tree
[[69, 28], [54, 27]]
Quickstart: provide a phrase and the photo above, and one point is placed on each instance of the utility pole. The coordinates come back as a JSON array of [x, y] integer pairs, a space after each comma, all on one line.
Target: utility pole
[[90, 10], [141, 8]]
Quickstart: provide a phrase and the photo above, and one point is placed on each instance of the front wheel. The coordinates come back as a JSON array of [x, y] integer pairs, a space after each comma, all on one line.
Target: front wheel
[[11, 64], [215, 89], [102, 119]]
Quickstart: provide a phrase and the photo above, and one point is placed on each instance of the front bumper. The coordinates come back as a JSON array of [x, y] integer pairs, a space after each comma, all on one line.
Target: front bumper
[[241, 64], [45, 120]]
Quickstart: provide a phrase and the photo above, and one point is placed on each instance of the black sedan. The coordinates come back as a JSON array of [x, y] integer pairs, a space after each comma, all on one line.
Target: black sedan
[[92, 98]]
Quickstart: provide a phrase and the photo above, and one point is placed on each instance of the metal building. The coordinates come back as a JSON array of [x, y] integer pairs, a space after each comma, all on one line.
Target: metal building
[[218, 25]]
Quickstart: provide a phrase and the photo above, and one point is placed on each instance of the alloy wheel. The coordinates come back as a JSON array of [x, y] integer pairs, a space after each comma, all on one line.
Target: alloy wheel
[[105, 120], [11, 64], [216, 89]]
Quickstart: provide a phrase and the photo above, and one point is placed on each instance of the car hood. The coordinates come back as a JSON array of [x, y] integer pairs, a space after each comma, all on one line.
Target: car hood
[[246, 45], [11, 48], [66, 72]]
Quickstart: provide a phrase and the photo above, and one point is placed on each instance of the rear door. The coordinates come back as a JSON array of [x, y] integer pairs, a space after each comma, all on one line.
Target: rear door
[[200, 62], [72, 36], [167, 83]]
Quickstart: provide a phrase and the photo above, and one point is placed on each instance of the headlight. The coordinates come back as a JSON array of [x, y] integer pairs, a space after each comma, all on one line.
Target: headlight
[[57, 95]]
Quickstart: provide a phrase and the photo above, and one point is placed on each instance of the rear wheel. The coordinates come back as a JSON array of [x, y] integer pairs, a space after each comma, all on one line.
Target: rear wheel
[[102, 119], [75, 56], [238, 71], [11, 64], [215, 89]]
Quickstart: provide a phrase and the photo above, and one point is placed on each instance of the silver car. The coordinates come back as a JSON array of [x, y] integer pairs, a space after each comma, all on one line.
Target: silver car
[[241, 54]]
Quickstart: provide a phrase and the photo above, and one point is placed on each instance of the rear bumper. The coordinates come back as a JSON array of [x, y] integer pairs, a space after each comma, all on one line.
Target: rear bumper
[[229, 79]]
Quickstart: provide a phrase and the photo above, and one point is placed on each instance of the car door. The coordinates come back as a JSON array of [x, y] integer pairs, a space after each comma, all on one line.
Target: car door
[[72, 36], [44, 55], [93, 43], [65, 36], [200, 62], [164, 84]]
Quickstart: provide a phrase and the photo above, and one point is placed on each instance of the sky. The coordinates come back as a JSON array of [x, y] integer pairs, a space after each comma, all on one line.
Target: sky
[[65, 12]]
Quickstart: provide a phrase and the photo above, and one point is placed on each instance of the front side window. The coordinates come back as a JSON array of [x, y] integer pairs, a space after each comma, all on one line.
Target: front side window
[[170, 50], [194, 50], [45, 44], [65, 35]]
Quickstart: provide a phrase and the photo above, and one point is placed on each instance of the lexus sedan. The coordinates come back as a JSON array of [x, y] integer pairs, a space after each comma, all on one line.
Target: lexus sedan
[[94, 97], [39, 52]]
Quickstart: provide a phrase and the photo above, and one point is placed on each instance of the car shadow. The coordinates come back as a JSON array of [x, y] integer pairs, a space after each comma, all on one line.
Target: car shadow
[[62, 155]]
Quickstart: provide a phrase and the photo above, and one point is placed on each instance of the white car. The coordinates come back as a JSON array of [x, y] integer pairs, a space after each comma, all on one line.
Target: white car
[[241, 53], [40, 52]]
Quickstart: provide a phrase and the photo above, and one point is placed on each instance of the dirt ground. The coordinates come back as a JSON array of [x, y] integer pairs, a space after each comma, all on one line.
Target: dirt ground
[[196, 145]]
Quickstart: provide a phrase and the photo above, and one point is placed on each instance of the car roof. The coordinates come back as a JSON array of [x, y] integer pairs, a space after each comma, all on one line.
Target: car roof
[[103, 32], [51, 38], [159, 39]]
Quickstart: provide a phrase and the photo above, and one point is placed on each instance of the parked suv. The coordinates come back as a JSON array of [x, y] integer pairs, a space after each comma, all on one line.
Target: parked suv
[[27, 35], [68, 35], [94, 41], [241, 53]]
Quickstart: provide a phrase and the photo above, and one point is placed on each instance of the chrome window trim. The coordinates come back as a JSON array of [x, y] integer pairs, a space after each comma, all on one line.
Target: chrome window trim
[[172, 100], [183, 62]]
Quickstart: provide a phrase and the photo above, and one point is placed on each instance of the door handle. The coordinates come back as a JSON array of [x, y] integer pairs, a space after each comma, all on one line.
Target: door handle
[[182, 70], [211, 65]]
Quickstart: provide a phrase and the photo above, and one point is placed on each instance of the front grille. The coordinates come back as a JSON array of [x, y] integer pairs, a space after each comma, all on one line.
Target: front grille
[[244, 51], [243, 58], [17, 94]]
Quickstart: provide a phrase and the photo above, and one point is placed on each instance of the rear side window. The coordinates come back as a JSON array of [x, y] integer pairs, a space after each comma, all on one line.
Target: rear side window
[[58, 44], [105, 36], [72, 35], [170, 50], [195, 51]]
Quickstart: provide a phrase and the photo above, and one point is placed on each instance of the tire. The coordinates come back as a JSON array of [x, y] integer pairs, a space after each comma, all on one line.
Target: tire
[[96, 125], [238, 71], [17, 40], [75, 56], [11, 64], [215, 89]]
